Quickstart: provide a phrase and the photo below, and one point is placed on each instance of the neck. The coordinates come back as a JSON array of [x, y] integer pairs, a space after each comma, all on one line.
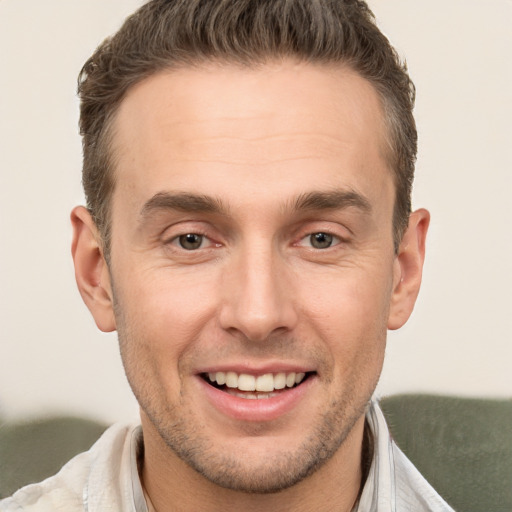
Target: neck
[[172, 485]]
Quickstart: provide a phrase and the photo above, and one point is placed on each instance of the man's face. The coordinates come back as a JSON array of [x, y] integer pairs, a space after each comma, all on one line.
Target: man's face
[[252, 241]]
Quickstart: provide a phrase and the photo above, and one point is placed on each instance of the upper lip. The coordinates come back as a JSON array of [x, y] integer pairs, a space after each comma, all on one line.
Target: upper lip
[[260, 369]]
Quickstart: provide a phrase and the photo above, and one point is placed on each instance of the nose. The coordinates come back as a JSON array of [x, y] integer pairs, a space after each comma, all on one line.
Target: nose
[[258, 297]]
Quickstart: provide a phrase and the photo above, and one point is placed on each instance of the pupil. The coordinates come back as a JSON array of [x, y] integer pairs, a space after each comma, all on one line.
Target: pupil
[[321, 240], [191, 241]]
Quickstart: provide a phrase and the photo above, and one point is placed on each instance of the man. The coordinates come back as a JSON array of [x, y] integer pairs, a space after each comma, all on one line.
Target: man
[[248, 169]]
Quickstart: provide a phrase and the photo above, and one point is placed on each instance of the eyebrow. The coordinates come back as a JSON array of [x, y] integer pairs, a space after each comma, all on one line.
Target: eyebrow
[[332, 200], [183, 202], [194, 203]]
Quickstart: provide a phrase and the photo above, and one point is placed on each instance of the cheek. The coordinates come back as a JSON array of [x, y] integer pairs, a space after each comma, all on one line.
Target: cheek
[[350, 315], [165, 313], [350, 301]]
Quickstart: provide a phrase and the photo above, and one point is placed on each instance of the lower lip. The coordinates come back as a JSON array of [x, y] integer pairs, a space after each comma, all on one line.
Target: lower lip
[[262, 409]]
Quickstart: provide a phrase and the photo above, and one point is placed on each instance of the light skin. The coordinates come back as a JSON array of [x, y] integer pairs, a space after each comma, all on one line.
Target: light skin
[[251, 233]]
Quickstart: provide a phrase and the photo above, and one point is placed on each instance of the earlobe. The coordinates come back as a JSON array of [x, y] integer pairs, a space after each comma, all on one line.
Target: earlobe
[[91, 271], [408, 268]]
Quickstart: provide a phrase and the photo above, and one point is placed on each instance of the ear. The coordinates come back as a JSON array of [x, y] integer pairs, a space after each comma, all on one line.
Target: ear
[[91, 271], [408, 268]]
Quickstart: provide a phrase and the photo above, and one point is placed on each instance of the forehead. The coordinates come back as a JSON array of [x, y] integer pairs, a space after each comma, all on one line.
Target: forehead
[[212, 126]]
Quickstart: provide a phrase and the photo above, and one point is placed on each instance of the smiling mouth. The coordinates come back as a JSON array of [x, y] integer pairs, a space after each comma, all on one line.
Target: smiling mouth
[[243, 385]]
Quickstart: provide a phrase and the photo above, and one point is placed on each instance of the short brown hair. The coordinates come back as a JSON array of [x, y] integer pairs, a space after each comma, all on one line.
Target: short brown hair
[[164, 34]]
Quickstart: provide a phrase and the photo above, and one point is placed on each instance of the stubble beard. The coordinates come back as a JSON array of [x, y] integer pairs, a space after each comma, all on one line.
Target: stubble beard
[[274, 472]]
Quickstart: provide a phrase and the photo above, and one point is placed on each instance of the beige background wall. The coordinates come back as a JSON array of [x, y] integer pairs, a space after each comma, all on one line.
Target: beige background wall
[[52, 358]]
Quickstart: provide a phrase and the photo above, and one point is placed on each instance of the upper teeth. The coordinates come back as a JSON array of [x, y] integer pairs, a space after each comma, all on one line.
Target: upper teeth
[[267, 382]]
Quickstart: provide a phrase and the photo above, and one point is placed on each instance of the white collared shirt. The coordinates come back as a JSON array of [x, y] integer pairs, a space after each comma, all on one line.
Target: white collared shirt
[[106, 478], [393, 483]]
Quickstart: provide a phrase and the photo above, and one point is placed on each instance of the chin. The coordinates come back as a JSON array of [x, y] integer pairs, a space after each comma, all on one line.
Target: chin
[[253, 465]]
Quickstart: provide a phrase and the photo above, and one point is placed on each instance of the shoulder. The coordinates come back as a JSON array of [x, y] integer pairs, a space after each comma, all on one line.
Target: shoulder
[[393, 482], [413, 492], [67, 490]]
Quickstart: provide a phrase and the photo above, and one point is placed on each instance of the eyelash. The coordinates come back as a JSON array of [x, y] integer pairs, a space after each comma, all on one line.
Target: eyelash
[[179, 239], [332, 239]]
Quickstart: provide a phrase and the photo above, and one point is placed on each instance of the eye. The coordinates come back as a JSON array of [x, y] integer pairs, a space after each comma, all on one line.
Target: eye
[[321, 240], [190, 241]]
